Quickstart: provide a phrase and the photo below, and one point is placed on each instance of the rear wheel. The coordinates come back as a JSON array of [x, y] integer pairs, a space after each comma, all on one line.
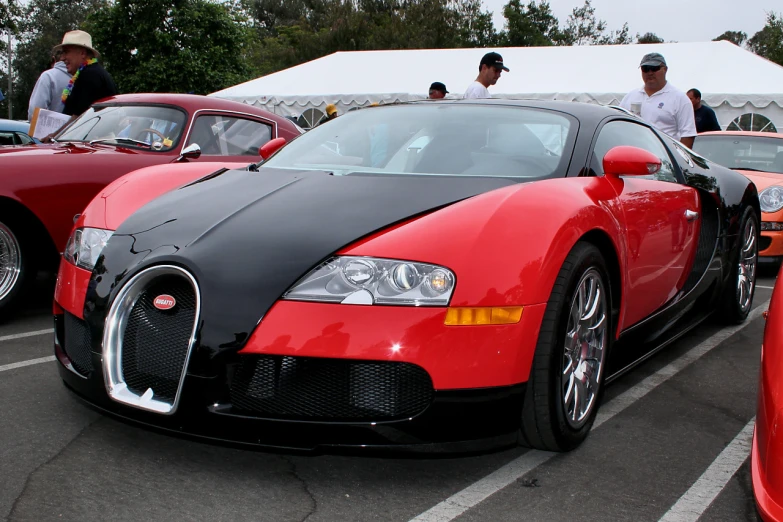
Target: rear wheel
[[566, 379], [15, 267], [738, 296]]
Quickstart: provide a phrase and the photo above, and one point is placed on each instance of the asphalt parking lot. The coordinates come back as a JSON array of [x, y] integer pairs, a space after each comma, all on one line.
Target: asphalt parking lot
[[671, 442]]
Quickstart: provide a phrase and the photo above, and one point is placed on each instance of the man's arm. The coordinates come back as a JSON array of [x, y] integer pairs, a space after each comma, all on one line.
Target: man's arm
[[625, 103], [686, 121]]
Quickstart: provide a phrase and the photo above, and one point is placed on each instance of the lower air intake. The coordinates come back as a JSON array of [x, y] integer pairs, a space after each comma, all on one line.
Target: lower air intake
[[306, 388]]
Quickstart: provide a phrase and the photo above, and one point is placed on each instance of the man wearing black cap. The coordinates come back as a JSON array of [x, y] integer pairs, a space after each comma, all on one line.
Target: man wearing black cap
[[660, 103], [490, 67], [438, 91]]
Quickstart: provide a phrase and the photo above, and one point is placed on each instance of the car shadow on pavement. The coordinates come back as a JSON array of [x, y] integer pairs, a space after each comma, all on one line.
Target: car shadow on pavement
[[37, 300]]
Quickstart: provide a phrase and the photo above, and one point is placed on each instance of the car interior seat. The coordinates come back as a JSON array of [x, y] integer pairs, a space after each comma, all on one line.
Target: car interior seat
[[450, 152]]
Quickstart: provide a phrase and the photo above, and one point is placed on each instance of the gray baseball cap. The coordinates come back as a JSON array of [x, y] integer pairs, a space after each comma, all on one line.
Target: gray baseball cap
[[653, 59]]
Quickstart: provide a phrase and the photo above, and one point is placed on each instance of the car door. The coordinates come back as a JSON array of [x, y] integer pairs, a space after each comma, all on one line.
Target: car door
[[222, 135], [659, 215]]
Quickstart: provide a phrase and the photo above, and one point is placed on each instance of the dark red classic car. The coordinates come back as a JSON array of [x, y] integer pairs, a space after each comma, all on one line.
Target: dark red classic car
[[42, 187]]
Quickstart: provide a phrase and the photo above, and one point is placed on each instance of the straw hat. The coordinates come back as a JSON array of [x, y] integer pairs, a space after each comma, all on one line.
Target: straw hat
[[79, 38]]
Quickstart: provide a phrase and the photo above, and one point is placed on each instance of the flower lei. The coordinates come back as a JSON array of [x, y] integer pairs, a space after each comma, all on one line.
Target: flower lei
[[67, 90]]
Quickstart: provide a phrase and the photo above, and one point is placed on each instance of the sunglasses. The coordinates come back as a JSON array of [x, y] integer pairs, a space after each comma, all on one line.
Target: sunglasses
[[650, 68]]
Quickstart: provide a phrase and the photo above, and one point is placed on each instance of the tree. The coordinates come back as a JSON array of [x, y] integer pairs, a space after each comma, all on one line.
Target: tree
[[648, 38], [269, 15], [769, 41], [735, 37], [327, 26], [582, 26], [197, 46], [9, 13], [473, 25], [530, 25], [618, 37]]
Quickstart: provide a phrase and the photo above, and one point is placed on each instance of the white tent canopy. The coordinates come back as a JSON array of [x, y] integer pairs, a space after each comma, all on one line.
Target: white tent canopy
[[732, 80]]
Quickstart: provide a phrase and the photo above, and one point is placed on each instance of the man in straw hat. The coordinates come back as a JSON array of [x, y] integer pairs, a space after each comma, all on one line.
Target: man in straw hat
[[90, 80]]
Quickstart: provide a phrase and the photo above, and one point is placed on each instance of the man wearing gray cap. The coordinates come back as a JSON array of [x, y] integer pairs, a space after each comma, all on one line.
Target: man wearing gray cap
[[660, 103]]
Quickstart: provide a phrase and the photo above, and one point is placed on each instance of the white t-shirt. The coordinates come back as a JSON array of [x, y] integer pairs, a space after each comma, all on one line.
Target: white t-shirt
[[476, 90], [669, 110]]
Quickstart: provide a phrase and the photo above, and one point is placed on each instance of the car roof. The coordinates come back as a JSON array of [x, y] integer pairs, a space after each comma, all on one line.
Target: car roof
[[743, 133], [191, 103], [14, 126], [582, 110]]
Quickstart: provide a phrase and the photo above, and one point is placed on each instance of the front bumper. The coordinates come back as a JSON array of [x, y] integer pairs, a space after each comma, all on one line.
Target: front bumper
[[454, 420], [771, 243]]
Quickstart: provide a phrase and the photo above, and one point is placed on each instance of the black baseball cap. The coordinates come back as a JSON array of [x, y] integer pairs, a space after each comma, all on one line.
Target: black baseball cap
[[438, 86], [493, 60]]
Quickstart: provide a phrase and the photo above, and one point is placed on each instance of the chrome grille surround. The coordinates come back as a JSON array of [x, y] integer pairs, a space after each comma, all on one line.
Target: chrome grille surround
[[114, 333]]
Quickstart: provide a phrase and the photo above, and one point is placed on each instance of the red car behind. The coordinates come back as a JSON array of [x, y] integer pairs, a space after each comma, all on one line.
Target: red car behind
[[42, 187]]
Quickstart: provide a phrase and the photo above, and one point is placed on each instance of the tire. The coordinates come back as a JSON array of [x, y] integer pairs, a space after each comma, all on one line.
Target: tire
[[551, 420], [737, 298], [16, 266]]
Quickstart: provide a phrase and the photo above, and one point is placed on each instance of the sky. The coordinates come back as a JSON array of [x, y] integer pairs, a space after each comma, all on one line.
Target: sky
[[672, 20]]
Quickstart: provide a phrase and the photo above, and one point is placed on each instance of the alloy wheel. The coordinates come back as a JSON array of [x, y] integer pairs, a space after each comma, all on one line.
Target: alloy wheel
[[748, 259], [585, 348], [10, 261]]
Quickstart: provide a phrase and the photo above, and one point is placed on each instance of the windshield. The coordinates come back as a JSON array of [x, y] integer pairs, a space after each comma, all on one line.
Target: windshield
[[149, 127], [743, 152], [436, 139]]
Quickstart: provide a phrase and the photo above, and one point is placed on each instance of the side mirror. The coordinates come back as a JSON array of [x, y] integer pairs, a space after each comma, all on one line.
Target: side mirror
[[630, 161], [192, 151], [270, 147]]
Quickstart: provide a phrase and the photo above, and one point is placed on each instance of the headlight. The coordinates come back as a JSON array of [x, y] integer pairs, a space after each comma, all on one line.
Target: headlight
[[370, 280], [771, 199], [85, 245]]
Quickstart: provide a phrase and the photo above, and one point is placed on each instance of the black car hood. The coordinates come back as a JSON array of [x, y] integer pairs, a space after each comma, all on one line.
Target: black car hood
[[248, 236]]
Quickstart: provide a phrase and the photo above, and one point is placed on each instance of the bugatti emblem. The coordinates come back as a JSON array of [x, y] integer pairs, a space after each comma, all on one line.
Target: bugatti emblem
[[164, 302]]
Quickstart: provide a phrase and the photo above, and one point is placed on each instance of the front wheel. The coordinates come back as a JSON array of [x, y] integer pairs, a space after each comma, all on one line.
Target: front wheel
[[737, 298], [566, 378], [16, 269]]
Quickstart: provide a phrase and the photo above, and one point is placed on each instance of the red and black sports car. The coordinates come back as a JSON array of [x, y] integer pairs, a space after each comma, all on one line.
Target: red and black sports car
[[42, 187], [450, 274], [766, 459]]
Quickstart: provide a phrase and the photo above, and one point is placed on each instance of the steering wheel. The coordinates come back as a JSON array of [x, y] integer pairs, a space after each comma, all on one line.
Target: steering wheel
[[152, 131]]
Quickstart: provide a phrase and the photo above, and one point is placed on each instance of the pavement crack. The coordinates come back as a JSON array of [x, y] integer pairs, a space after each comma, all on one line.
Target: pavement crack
[[51, 459], [305, 487]]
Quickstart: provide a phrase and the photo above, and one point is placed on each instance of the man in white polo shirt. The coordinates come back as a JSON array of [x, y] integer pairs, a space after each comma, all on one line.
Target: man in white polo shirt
[[660, 103]]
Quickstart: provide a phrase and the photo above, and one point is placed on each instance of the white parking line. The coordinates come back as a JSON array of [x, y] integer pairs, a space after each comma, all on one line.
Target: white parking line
[[22, 364], [766, 287], [479, 491], [698, 498], [26, 334]]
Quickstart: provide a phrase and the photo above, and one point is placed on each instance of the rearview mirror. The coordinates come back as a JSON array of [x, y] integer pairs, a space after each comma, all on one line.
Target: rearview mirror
[[192, 151], [270, 147], [630, 161]]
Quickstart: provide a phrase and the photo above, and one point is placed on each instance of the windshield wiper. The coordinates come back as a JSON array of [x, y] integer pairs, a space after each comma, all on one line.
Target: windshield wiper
[[121, 140]]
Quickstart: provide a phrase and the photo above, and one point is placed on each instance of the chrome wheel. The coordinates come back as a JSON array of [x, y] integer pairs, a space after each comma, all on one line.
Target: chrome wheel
[[748, 258], [10, 261], [585, 348]]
